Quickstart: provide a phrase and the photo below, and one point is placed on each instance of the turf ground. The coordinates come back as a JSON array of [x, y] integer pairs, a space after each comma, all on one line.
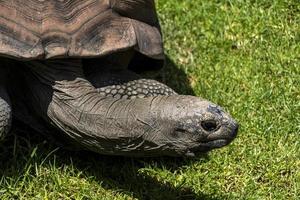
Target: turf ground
[[242, 55]]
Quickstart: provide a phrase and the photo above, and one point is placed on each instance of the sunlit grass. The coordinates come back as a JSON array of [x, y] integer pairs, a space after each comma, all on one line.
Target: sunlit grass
[[242, 55]]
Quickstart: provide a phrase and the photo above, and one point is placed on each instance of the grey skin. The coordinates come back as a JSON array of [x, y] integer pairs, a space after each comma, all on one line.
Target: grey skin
[[113, 111], [5, 105]]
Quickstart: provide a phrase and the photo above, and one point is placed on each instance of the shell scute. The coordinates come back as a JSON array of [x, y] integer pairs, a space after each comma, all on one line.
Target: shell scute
[[38, 29]]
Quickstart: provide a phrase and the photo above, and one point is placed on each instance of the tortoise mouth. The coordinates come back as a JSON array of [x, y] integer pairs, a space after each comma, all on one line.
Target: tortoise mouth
[[205, 147], [213, 143]]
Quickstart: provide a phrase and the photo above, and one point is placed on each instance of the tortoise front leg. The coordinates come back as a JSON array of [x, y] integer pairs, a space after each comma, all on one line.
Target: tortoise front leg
[[111, 77], [5, 105], [125, 84]]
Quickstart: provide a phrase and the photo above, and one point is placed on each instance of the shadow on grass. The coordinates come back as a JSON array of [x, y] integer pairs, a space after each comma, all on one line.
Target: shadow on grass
[[133, 176], [136, 177], [176, 78]]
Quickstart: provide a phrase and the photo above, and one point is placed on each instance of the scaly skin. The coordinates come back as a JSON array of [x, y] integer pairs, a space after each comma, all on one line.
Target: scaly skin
[[153, 126], [5, 117], [125, 84], [5, 106]]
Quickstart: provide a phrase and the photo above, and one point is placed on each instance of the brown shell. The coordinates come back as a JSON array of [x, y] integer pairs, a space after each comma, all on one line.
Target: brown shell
[[43, 29]]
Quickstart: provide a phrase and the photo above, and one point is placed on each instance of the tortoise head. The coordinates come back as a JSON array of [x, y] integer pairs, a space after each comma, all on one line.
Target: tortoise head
[[199, 127], [213, 128]]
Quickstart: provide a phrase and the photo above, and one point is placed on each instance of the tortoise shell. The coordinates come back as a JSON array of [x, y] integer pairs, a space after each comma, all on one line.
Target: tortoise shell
[[41, 29]]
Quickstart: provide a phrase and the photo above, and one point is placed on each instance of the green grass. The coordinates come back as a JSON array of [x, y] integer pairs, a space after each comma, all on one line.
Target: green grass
[[242, 55]]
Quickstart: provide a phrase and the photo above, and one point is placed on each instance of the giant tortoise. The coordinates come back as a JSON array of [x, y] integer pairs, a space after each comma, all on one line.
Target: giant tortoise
[[72, 65]]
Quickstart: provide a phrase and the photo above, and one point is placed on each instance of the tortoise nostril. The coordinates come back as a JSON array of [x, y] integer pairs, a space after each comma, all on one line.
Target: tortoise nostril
[[209, 125]]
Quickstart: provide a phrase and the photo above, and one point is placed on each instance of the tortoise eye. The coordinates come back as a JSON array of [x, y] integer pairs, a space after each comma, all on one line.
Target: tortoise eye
[[209, 125]]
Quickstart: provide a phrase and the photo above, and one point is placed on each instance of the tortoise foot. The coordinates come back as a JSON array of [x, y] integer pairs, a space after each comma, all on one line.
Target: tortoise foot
[[5, 113]]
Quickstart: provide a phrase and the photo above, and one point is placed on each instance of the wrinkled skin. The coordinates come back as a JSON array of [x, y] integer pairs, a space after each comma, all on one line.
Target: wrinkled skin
[[151, 122]]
